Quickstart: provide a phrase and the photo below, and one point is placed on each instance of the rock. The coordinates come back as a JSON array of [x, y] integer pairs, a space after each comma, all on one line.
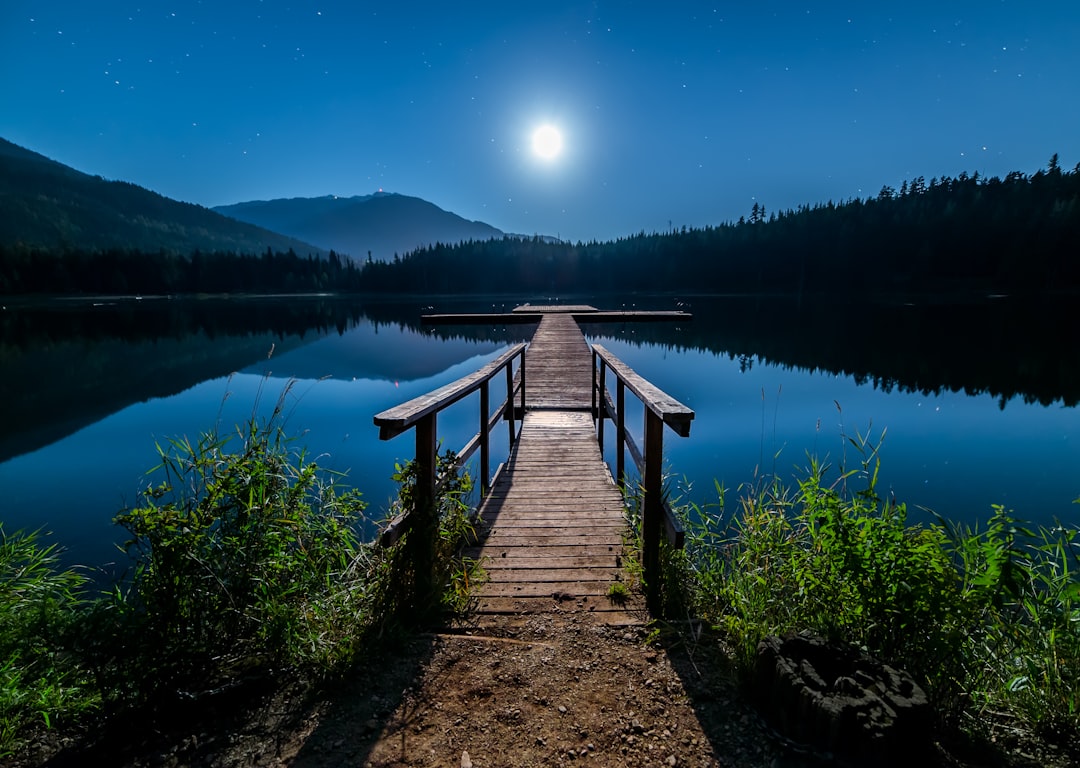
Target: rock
[[466, 761], [837, 699]]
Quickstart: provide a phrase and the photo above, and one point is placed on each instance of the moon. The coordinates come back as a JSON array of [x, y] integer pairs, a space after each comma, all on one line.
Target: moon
[[547, 142]]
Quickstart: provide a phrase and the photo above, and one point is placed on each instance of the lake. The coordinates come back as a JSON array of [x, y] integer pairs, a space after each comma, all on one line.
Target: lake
[[977, 398]]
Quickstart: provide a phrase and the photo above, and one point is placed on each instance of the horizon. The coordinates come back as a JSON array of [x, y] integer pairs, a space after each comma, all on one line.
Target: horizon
[[573, 121]]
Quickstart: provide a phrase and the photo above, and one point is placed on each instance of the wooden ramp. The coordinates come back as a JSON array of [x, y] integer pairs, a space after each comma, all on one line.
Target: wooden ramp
[[552, 525]]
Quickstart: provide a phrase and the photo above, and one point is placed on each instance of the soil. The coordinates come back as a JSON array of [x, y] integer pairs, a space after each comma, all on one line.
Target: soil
[[546, 690]]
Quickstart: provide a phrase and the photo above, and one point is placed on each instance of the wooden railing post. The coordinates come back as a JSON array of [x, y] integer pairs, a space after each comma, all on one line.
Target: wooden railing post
[[511, 407], [620, 432], [425, 526], [595, 413], [485, 442], [652, 509], [602, 400], [521, 368]]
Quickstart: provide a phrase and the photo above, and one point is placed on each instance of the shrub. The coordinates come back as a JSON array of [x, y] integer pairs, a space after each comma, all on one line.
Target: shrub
[[246, 556], [988, 621]]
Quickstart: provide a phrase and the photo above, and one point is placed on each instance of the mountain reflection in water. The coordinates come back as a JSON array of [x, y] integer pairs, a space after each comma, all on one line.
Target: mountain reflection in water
[[977, 396]]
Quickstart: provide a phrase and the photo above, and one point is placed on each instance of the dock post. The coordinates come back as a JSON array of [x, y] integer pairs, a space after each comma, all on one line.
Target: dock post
[[602, 399], [485, 441], [652, 510], [620, 434], [425, 527]]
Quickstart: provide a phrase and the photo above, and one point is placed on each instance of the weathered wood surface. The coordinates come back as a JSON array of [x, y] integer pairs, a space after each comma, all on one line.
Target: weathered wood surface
[[554, 308], [532, 314], [558, 367], [552, 527]]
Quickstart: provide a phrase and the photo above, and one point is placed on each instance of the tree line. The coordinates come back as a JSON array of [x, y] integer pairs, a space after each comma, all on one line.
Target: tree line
[[1013, 235], [1018, 234], [120, 271]]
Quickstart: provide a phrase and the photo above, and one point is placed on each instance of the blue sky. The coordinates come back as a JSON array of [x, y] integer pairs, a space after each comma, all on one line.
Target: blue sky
[[672, 113]]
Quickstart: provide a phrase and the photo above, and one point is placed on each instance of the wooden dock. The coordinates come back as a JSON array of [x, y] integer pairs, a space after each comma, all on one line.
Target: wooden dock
[[552, 526], [553, 523]]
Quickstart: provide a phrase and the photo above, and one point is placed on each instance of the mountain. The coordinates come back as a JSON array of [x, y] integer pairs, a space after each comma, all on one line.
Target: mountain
[[381, 224], [49, 205]]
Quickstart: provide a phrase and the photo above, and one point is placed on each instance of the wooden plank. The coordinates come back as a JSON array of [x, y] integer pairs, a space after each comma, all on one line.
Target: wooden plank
[[481, 318], [529, 560], [626, 315], [571, 589], [504, 538], [558, 363], [605, 610], [554, 308], [602, 552], [552, 527], [556, 573]]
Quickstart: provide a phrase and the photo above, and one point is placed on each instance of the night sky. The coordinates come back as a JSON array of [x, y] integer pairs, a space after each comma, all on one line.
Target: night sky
[[669, 113]]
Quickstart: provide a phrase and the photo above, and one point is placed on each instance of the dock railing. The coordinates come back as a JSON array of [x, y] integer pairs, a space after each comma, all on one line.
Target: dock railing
[[421, 414], [660, 409]]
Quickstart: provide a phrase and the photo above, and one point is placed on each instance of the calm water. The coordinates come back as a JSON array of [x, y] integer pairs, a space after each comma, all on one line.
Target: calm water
[[88, 390]]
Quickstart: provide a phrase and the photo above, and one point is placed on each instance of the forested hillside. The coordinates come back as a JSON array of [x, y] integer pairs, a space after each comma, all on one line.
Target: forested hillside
[[1020, 234], [51, 207], [1017, 234]]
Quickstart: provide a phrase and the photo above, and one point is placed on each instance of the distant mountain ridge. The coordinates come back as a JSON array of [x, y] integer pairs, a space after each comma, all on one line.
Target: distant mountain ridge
[[46, 204], [382, 224]]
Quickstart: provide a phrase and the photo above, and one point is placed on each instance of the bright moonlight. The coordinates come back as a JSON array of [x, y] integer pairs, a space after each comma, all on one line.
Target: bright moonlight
[[547, 142]]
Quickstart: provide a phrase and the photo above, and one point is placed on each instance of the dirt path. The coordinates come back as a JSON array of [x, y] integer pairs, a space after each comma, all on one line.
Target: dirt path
[[547, 690], [554, 690]]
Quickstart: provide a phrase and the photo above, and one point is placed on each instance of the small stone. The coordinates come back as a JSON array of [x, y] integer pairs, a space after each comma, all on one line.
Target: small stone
[[672, 760], [466, 761], [562, 709]]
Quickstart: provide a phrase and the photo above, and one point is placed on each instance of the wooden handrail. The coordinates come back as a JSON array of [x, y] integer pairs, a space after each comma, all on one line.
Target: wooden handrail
[[393, 421], [660, 409], [671, 411], [421, 413]]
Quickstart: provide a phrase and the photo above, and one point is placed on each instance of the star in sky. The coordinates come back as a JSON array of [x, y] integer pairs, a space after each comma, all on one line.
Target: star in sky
[[678, 113]]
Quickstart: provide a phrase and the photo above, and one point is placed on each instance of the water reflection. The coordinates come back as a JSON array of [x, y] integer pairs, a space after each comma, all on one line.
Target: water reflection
[[977, 396], [89, 390]]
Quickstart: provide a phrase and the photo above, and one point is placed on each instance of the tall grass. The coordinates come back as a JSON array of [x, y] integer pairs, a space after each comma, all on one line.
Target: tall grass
[[988, 619], [245, 562], [245, 553], [41, 681]]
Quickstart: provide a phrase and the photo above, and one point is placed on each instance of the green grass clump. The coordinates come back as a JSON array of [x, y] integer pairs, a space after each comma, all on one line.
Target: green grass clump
[[246, 561], [246, 554], [41, 681], [988, 620]]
